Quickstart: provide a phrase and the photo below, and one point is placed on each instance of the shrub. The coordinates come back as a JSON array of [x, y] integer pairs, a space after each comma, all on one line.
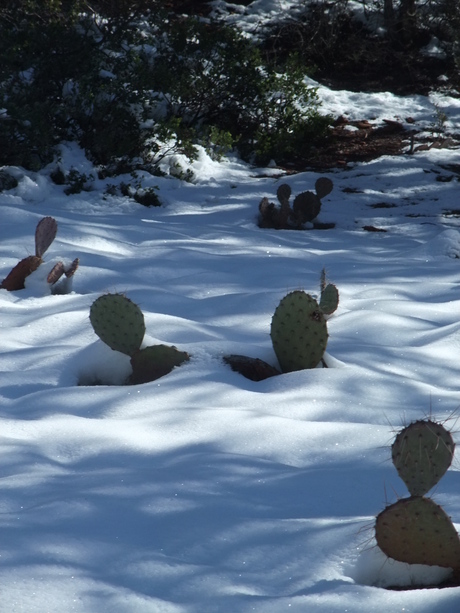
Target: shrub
[[132, 85], [370, 49], [213, 78]]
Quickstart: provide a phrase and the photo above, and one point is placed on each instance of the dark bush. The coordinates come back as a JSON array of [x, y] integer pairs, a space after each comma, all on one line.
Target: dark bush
[[213, 78], [361, 54], [131, 84]]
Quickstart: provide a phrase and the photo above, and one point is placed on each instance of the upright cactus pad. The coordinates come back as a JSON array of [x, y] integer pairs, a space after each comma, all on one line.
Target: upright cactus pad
[[298, 332], [329, 299], [283, 193], [421, 454], [45, 233], [323, 187], [416, 530], [118, 322]]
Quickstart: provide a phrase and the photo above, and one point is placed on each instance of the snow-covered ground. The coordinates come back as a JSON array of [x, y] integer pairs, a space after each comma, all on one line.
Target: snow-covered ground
[[204, 492]]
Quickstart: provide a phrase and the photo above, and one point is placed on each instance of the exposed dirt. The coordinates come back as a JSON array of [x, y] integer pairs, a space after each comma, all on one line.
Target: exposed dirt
[[358, 62]]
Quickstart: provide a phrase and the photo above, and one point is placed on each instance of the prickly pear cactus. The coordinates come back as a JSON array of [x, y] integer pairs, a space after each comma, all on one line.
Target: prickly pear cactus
[[45, 233], [329, 300], [298, 332], [154, 362], [283, 193], [421, 454], [306, 207], [323, 187], [118, 322], [60, 277], [417, 531]]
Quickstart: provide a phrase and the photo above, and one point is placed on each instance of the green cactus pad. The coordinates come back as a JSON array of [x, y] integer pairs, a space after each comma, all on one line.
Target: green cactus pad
[[118, 322], [329, 299], [154, 362], [323, 187], [417, 531], [421, 454], [283, 193], [298, 332], [306, 206], [45, 233]]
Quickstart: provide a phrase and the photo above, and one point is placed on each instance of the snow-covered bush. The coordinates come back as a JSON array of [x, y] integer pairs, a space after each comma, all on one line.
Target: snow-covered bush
[[136, 84]]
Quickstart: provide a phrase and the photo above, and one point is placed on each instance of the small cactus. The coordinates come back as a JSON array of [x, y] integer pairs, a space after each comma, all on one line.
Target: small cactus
[[305, 208], [416, 530], [298, 332], [45, 233], [329, 299], [60, 277], [119, 323]]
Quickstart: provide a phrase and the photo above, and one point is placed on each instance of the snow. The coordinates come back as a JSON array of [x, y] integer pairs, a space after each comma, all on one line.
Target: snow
[[204, 491]]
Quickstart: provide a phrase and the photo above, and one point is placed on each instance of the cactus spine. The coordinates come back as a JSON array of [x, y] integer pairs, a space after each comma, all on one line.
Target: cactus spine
[[120, 324]]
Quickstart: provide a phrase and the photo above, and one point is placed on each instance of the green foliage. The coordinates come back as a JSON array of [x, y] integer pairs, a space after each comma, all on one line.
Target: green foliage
[[119, 323], [145, 196], [132, 85]]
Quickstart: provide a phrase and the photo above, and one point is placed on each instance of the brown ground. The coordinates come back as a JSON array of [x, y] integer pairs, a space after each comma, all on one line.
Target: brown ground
[[367, 141]]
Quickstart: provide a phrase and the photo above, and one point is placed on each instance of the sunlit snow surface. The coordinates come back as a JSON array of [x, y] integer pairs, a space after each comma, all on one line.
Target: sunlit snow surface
[[204, 492]]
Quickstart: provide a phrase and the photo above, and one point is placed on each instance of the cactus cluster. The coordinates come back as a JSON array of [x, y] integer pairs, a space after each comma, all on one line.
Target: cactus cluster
[[45, 234], [415, 529], [298, 333], [305, 207], [119, 323]]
